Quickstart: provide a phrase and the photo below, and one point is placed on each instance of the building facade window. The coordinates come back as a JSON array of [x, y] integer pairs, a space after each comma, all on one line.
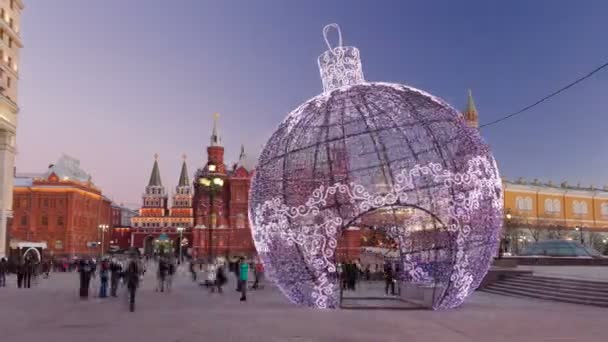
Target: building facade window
[[605, 209], [552, 206], [523, 203], [60, 220], [579, 207], [24, 220], [44, 220], [240, 221]]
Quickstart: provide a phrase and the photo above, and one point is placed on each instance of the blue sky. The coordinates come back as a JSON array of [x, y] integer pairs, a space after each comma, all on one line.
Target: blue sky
[[113, 82]]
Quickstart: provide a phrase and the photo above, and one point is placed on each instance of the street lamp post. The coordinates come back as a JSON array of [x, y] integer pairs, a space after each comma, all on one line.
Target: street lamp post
[[579, 229], [181, 231], [103, 228], [503, 239], [211, 186]]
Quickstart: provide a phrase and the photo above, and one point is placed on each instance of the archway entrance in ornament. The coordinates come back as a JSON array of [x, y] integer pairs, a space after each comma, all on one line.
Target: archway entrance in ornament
[[149, 246], [33, 253], [395, 257]]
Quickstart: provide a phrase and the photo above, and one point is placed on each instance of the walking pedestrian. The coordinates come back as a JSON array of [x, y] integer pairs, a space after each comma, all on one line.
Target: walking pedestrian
[[3, 271], [104, 269], [389, 279], [211, 277], [161, 274], [132, 280], [220, 278], [237, 270], [258, 273], [115, 273], [244, 275], [170, 273], [28, 271], [192, 270], [85, 271], [20, 268]]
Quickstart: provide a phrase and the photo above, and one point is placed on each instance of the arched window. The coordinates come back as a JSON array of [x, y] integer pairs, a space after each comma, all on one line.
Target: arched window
[[549, 206], [519, 203], [579, 207], [552, 206], [605, 209], [240, 221], [557, 206]]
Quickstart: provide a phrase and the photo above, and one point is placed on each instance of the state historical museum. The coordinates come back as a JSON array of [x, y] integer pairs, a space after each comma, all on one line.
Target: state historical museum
[[220, 204], [211, 214]]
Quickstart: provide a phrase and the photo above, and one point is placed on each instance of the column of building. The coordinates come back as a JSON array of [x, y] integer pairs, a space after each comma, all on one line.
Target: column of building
[[10, 14]]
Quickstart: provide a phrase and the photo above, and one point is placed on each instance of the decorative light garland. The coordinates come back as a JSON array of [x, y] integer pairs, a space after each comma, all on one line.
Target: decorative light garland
[[362, 148]]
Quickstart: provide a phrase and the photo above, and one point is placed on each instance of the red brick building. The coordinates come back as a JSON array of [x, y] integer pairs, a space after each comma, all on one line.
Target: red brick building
[[156, 229], [61, 208], [120, 227], [220, 202]]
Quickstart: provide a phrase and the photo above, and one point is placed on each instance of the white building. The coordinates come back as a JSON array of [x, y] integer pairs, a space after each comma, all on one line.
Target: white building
[[10, 44]]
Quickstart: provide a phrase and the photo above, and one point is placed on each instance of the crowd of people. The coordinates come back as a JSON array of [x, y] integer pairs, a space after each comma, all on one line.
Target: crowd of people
[[104, 277], [351, 273]]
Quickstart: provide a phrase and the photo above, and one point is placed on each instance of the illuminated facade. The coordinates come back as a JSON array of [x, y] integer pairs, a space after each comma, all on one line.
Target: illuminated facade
[[157, 221], [221, 200], [537, 211], [10, 45], [61, 209]]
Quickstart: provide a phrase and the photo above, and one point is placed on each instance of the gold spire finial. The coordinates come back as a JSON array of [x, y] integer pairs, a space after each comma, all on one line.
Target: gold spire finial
[[216, 116]]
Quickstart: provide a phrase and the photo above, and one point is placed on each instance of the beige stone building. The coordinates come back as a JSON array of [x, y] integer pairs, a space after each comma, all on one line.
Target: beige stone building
[[10, 45]]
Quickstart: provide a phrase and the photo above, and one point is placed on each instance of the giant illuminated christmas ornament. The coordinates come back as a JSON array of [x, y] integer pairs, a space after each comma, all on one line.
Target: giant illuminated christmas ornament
[[383, 155]]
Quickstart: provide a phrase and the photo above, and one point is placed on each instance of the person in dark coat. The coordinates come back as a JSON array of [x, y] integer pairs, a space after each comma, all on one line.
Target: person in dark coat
[[20, 268], [86, 270], [3, 272], [389, 278], [192, 271], [161, 274], [132, 279], [115, 273], [220, 278], [28, 272], [104, 270]]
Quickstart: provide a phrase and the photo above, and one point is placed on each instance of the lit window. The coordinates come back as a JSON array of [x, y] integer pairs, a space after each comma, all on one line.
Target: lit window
[[604, 209], [552, 206], [523, 203]]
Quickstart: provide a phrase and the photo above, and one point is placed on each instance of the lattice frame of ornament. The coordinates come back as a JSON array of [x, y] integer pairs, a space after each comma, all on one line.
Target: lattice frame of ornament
[[384, 152]]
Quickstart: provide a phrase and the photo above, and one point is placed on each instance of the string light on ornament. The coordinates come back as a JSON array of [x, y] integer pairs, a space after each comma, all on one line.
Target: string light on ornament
[[384, 152]]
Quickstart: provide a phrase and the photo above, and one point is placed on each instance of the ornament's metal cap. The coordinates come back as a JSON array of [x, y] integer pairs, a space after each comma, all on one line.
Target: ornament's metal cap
[[339, 66]]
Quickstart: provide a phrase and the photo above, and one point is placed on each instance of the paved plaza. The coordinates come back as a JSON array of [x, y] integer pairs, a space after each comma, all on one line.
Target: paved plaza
[[52, 311]]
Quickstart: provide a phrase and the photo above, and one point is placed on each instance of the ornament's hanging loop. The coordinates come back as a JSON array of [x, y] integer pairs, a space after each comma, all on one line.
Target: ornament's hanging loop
[[326, 31]]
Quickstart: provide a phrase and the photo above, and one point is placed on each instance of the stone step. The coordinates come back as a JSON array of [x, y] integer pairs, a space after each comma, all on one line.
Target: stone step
[[523, 293], [555, 286], [589, 283], [553, 295]]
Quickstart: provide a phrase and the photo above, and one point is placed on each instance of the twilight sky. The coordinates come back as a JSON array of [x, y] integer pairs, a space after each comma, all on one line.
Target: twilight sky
[[112, 82]]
